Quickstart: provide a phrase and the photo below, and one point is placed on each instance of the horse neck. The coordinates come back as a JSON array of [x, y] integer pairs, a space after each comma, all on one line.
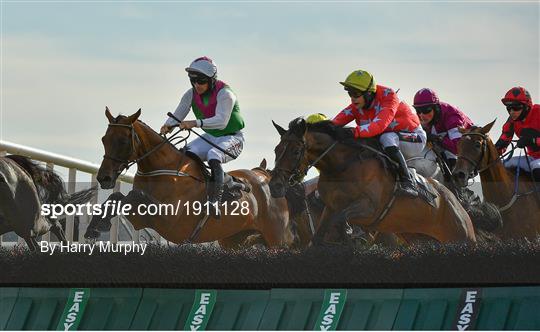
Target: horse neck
[[336, 159], [331, 161], [497, 185], [165, 157]]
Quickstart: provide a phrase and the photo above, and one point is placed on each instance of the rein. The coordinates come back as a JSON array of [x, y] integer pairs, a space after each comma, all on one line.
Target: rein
[[125, 164], [476, 164], [297, 174], [515, 194]]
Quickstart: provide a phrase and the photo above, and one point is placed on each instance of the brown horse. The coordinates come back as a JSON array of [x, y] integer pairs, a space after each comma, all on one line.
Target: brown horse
[[167, 175], [355, 183], [519, 210]]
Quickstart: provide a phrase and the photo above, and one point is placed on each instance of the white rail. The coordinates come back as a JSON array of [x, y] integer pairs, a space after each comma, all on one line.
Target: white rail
[[73, 165]]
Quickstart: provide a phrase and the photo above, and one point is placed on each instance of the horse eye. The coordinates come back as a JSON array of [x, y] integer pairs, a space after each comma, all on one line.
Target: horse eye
[[477, 145]]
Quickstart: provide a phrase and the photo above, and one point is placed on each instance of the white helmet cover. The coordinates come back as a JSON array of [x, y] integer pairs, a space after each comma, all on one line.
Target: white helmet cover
[[203, 65]]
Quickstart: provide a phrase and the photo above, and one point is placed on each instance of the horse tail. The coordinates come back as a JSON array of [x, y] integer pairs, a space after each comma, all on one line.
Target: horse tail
[[82, 196]]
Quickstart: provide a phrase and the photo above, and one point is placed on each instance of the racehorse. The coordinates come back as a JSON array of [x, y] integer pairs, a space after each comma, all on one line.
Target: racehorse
[[516, 201], [304, 208], [24, 187], [167, 175], [356, 183]]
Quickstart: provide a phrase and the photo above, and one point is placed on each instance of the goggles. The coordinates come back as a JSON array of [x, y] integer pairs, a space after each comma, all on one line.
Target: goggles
[[353, 93], [424, 109]]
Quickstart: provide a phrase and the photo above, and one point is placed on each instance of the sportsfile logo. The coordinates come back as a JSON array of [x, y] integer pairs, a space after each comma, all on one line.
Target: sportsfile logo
[[468, 308]]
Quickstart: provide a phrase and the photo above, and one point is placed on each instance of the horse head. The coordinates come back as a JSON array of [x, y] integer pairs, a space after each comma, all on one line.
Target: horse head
[[473, 153], [290, 164], [120, 143]]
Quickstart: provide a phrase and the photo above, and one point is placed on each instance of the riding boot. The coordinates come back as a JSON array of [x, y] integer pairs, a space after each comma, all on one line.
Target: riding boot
[[407, 184], [216, 191]]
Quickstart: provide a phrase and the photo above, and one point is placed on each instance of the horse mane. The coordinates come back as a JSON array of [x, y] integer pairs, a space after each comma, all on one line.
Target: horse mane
[[49, 184], [329, 128], [326, 127]]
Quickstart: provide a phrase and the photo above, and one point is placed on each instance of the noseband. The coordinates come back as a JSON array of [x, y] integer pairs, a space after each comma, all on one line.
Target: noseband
[[296, 174], [125, 163], [476, 165]]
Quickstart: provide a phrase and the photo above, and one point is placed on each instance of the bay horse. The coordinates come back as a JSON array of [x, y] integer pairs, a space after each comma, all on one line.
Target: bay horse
[[167, 175], [519, 209], [24, 187], [355, 182]]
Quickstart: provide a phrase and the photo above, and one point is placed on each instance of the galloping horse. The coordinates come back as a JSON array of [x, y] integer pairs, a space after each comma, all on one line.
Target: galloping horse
[[167, 175], [355, 182], [24, 187], [519, 209]]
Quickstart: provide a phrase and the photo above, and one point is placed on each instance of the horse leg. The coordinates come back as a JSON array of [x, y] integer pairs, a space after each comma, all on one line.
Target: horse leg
[[100, 224], [326, 220], [57, 230], [31, 242]]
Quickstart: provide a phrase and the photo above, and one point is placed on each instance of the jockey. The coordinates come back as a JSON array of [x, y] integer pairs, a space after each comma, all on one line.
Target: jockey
[[217, 111], [378, 111], [441, 121], [524, 121]]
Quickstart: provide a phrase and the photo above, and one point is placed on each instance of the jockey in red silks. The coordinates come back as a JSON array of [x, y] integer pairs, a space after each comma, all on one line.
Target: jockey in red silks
[[217, 111], [524, 121], [378, 112], [441, 121]]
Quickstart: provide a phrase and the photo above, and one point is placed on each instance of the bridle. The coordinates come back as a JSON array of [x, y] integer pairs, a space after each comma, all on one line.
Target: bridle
[[296, 174], [125, 164], [476, 164]]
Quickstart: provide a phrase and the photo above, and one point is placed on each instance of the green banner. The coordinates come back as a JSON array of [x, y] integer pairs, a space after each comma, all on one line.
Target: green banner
[[201, 310], [332, 307], [74, 309], [468, 309]]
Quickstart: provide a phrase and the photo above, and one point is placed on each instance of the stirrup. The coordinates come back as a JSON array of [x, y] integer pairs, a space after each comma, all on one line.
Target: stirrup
[[408, 189]]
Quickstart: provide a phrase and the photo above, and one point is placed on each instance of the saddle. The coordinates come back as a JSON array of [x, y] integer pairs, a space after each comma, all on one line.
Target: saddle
[[374, 149], [232, 186]]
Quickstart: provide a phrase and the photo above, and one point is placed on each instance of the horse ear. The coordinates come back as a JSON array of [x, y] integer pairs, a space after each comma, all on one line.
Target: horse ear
[[132, 118], [263, 164], [279, 129], [488, 127], [109, 115]]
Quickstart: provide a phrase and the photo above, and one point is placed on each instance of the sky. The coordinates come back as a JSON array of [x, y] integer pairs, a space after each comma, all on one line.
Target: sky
[[63, 62]]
